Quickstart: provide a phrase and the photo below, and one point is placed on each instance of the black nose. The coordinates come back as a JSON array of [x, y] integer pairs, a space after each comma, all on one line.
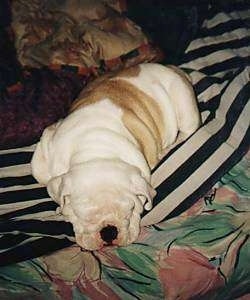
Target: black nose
[[109, 233]]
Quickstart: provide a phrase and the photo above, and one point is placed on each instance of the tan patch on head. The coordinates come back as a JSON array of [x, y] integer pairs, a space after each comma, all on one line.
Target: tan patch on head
[[141, 114]]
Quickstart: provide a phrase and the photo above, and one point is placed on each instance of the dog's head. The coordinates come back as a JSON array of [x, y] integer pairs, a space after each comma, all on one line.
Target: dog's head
[[103, 200]]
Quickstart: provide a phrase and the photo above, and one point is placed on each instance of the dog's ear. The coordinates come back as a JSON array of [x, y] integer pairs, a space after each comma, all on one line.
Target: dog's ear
[[59, 188], [41, 158], [144, 191]]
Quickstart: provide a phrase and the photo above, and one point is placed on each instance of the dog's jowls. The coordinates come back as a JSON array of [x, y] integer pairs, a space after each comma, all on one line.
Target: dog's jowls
[[96, 162]]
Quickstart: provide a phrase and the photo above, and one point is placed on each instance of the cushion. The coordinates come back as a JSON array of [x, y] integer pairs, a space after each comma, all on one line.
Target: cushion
[[77, 33]]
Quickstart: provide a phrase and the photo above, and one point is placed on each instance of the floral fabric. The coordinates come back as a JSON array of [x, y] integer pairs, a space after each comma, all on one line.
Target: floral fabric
[[77, 33], [202, 254]]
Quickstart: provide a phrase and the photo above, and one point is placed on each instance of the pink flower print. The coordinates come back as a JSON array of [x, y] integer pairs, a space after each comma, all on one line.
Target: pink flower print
[[187, 274]]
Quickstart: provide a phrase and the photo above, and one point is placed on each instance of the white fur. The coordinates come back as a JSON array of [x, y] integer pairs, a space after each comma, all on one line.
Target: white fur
[[93, 167]]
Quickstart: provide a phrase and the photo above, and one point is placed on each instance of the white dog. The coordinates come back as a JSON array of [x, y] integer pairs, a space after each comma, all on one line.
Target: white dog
[[96, 162]]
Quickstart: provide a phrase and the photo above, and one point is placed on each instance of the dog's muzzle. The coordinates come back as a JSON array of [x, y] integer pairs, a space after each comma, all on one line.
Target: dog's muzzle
[[99, 225]]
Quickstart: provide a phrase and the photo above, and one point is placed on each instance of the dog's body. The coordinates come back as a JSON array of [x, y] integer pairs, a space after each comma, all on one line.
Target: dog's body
[[96, 162]]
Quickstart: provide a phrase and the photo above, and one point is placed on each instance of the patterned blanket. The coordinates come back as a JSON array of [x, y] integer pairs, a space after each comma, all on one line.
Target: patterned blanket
[[202, 254]]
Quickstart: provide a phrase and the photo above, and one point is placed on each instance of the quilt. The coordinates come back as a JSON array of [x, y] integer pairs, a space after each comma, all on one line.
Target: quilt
[[203, 253]]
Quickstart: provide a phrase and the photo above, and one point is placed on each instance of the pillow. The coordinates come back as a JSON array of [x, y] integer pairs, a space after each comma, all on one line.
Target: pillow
[[79, 33]]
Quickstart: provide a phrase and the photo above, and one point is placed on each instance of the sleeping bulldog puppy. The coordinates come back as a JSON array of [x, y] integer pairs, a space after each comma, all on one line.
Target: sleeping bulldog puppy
[[96, 162]]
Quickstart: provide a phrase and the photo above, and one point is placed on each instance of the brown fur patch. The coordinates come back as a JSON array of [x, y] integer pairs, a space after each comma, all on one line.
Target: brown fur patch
[[128, 72], [141, 114]]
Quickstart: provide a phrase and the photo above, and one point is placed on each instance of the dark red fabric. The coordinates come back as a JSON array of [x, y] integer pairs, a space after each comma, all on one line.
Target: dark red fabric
[[44, 97]]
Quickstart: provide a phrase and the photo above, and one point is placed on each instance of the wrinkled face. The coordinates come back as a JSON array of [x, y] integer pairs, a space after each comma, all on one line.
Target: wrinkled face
[[106, 217], [103, 200]]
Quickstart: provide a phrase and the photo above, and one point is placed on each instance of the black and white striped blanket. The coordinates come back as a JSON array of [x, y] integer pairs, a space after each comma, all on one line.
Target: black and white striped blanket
[[218, 63]]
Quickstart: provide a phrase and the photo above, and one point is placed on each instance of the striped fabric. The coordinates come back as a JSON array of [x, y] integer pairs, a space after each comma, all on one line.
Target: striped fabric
[[218, 63]]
